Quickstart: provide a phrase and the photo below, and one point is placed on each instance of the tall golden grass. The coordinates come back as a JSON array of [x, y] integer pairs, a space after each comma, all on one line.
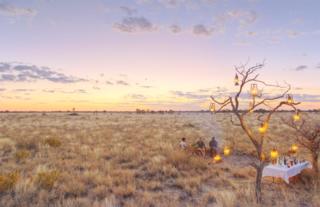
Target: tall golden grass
[[124, 159]]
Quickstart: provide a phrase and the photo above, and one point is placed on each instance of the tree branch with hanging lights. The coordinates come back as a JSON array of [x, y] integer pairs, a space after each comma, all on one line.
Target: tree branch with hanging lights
[[307, 135], [248, 77]]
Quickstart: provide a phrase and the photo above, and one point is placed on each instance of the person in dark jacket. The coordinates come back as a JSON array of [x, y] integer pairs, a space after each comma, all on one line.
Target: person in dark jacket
[[213, 144]]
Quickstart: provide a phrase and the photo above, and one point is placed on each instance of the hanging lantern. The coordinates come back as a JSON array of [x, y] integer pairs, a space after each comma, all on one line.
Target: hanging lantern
[[263, 128], [226, 151], [289, 99], [296, 116], [294, 148], [254, 90], [274, 154], [217, 158], [236, 80], [212, 107]]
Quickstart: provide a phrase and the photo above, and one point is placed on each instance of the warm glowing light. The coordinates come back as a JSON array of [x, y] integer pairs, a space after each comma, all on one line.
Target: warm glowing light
[[254, 90], [263, 128], [289, 99], [217, 158], [294, 148], [236, 80], [226, 151], [212, 107], [274, 154], [296, 117]]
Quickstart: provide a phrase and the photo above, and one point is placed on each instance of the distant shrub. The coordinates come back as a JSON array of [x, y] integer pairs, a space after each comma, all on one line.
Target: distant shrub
[[8, 181], [31, 144], [46, 180], [6, 145], [53, 142], [21, 155]]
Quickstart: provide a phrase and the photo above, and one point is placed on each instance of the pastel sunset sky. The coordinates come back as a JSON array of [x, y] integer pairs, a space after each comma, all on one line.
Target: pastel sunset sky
[[153, 54]]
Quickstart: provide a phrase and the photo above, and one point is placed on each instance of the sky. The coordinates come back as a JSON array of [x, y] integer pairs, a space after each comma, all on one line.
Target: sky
[[152, 54]]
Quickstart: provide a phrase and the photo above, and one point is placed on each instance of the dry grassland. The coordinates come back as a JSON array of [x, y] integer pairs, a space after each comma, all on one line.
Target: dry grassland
[[124, 159]]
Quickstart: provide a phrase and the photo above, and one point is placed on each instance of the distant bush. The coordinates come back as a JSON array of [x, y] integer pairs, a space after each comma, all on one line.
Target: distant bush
[[31, 144], [8, 181], [47, 179], [6, 145], [21, 155], [53, 142]]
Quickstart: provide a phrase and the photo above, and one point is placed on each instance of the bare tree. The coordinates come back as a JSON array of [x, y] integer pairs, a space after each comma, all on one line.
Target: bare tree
[[307, 135], [244, 77]]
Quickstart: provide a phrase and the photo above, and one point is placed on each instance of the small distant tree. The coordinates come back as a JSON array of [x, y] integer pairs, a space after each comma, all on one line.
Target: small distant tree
[[307, 135], [248, 76]]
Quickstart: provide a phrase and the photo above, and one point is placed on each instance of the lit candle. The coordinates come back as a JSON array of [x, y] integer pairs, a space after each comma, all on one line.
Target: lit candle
[[217, 158], [226, 151]]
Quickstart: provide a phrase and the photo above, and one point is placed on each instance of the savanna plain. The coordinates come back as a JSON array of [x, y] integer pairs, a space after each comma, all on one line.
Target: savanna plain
[[129, 159]]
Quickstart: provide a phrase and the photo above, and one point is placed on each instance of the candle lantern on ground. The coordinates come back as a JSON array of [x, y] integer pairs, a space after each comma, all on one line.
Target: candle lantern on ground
[[226, 151], [274, 154], [254, 90], [236, 80], [217, 158]]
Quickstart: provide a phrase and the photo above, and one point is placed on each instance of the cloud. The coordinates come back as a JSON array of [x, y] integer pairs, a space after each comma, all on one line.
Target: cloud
[[109, 83], [301, 68], [2, 89], [145, 86], [74, 91], [175, 29], [318, 66], [48, 91], [13, 11], [306, 97], [202, 30], [13, 72], [243, 17], [136, 96], [129, 11], [190, 95], [293, 34], [134, 25], [121, 82], [24, 90]]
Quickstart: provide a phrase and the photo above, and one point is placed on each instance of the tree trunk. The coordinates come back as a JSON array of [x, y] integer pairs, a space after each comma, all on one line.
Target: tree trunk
[[315, 162], [259, 170]]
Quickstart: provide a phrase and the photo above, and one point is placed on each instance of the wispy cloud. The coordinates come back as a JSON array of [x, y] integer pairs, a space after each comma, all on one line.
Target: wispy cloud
[[134, 25], [128, 10], [14, 11], [202, 30], [12, 72], [175, 28], [122, 82], [301, 68], [137, 97]]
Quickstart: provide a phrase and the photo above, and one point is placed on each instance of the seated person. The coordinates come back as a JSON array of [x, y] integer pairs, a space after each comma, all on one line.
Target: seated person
[[201, 146], [213, 144], [183, 144]]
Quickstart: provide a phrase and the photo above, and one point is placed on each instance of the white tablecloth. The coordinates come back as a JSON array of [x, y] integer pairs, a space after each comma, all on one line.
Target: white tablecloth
[[284, 172]]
